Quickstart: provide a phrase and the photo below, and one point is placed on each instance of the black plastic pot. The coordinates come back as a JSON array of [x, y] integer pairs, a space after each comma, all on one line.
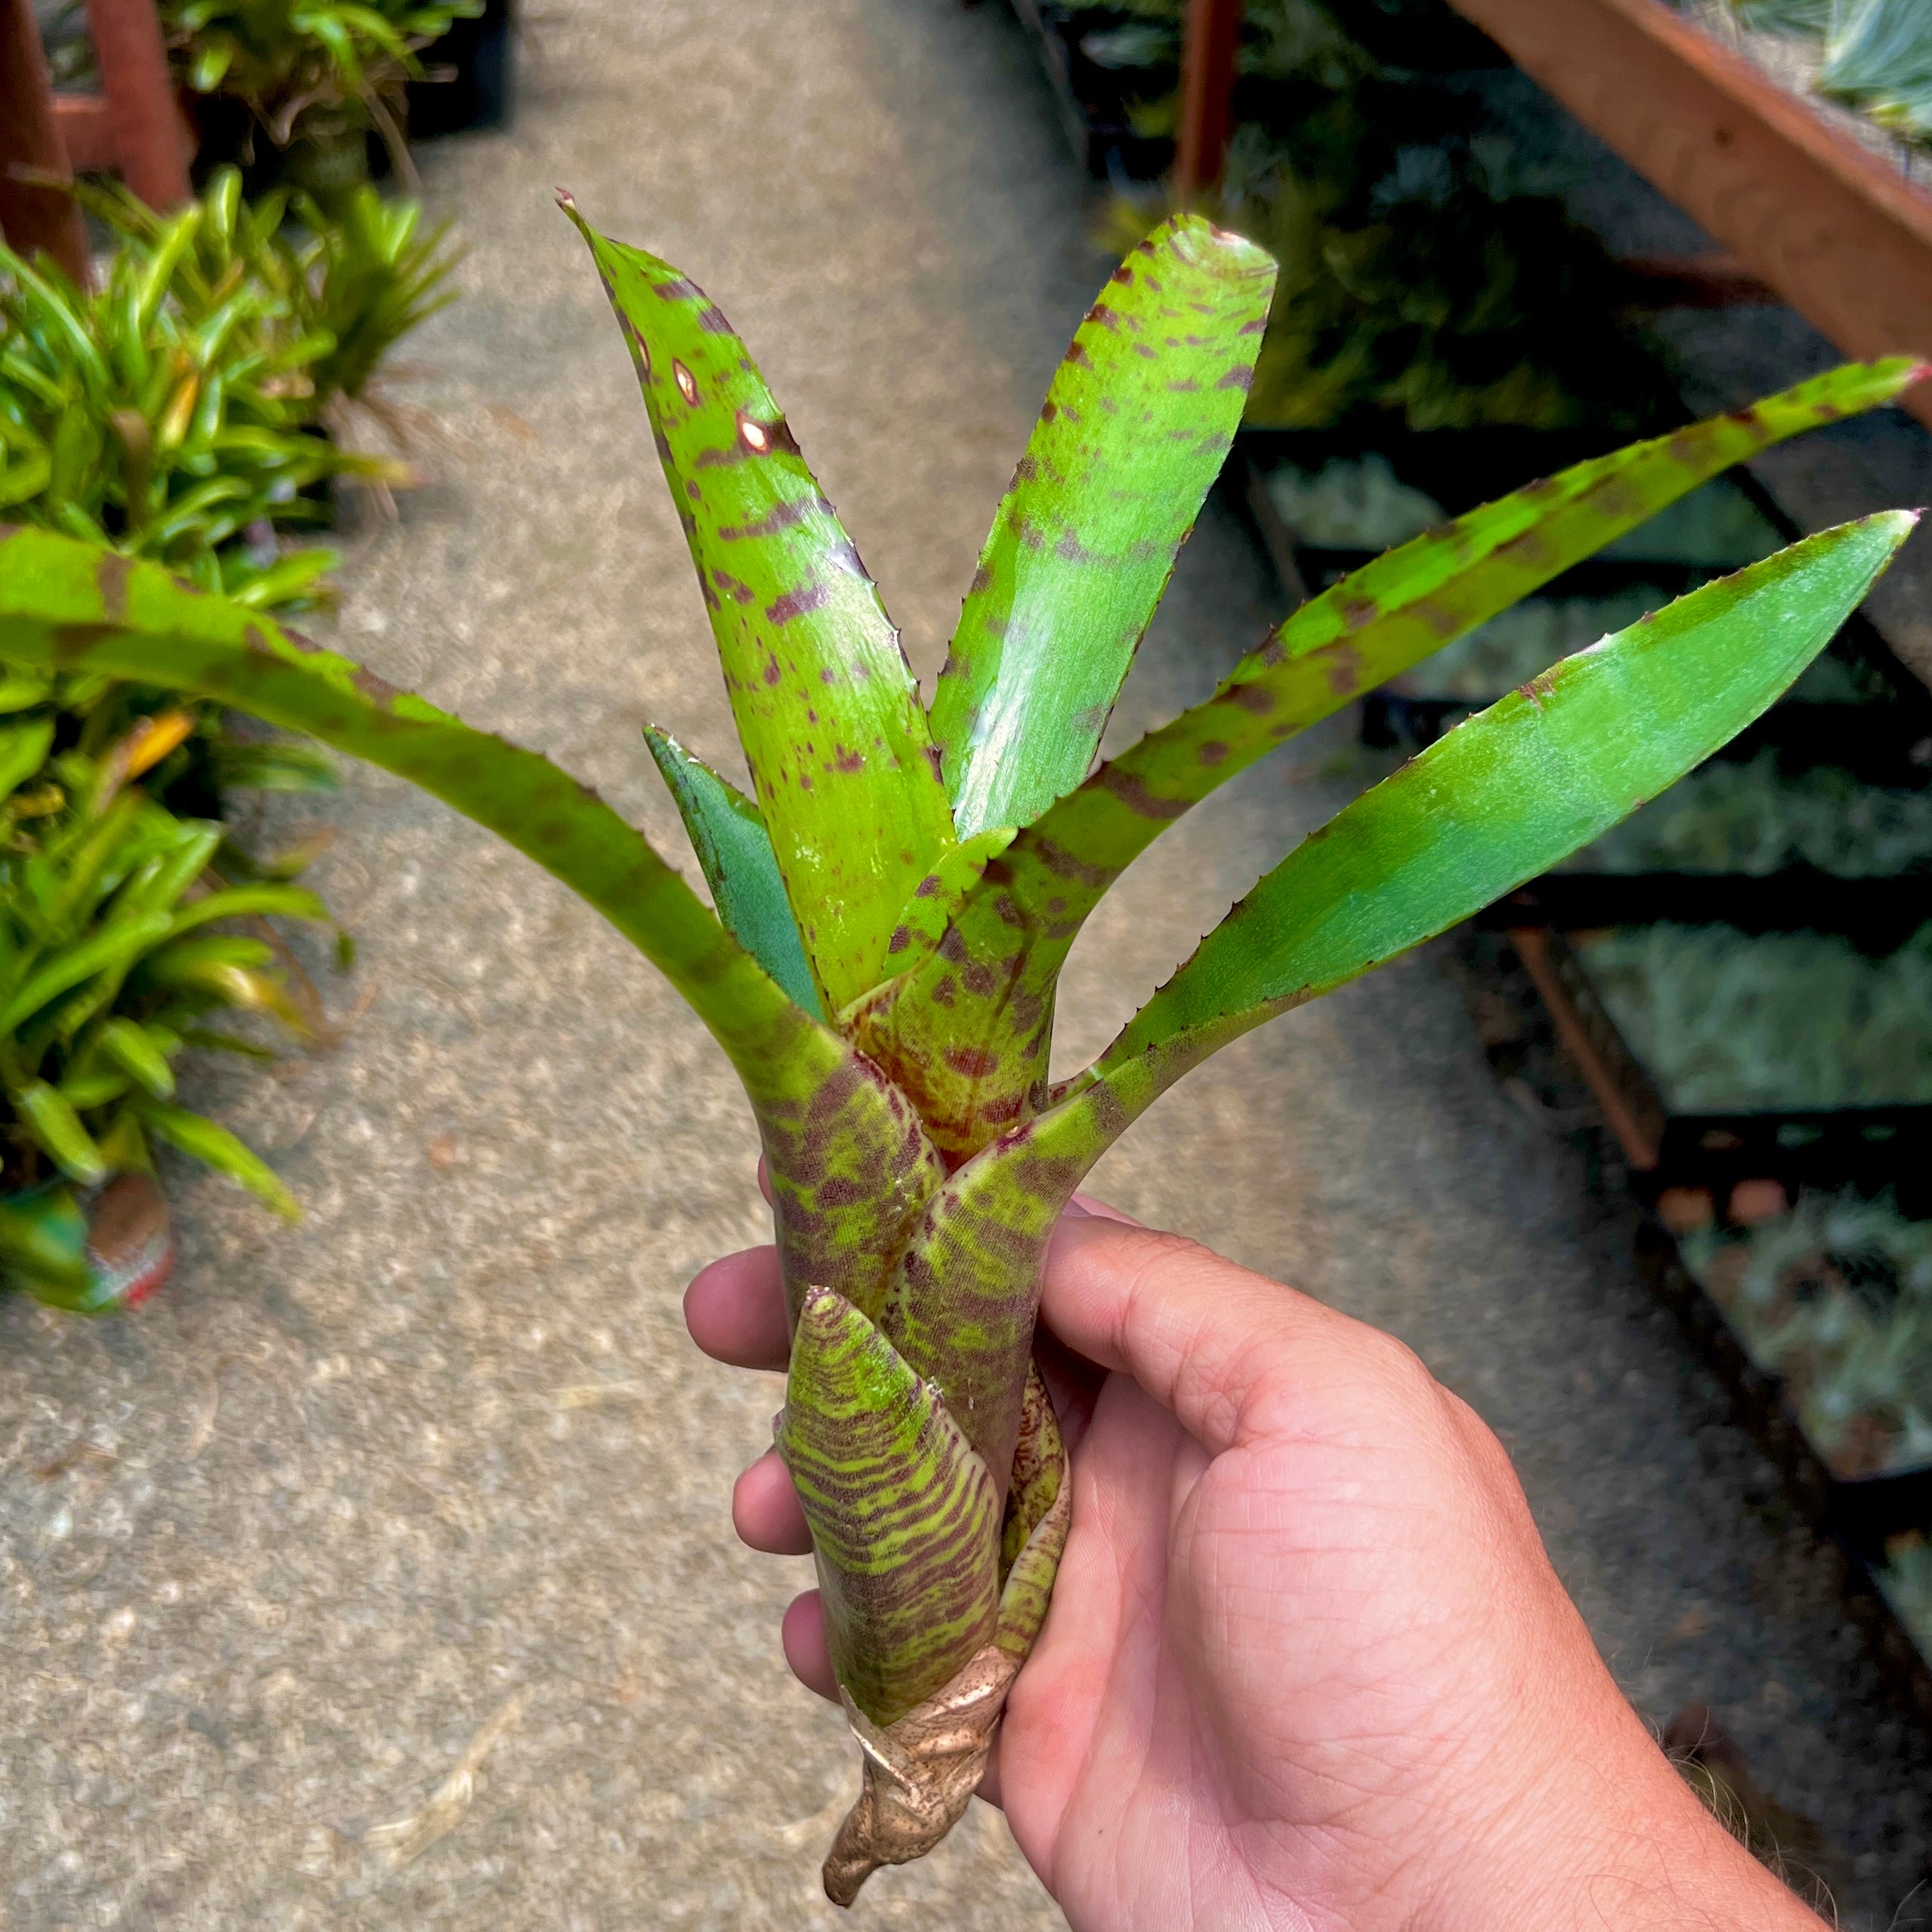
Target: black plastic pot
[[475, 66], [1092, 99], [1872, 1149]]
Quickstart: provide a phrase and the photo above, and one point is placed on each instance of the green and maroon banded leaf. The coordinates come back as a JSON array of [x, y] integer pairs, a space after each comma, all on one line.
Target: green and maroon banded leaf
[[961, 1306], [924, 917], [1134, 430], [1503, 797], [1039, 1472], [734, 853], [1519, 787], [850, 1164], [1038, 1507], [847, 777], [904, 1518], [963, 1034]]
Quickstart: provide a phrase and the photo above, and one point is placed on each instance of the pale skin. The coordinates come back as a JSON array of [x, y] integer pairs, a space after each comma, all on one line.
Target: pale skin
[[1307, 1665]]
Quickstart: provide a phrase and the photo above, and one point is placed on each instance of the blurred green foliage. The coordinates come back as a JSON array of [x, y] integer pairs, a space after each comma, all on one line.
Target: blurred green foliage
[[182, 410], [116, 950], [1423, 278], [304, 66]]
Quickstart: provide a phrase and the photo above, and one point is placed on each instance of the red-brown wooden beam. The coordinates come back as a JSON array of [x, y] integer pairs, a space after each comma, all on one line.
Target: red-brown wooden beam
[[1207, 94], [33, 217], [148, 139], [1838, 232], [86, 122]]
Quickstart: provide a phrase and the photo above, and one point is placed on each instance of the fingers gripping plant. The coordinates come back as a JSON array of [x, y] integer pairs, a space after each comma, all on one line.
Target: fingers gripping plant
[[894, 906]]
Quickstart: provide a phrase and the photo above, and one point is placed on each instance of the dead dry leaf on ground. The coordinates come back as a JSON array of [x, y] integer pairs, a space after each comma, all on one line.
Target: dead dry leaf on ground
[[406, 1838]]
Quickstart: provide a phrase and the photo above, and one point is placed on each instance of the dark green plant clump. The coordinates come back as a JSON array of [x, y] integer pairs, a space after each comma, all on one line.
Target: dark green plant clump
[[183, 411], [317, 70], [1421, 280]]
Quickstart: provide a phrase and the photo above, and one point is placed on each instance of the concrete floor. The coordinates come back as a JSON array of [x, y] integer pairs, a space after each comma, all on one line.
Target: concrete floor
[[415, 1517]]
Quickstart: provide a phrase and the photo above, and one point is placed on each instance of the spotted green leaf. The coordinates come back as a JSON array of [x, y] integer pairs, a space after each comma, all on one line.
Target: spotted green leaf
[[851, 1165], [734, 853], [846, 775], [1134, 430], [1499, 799], [966, 1034], [924, 917]]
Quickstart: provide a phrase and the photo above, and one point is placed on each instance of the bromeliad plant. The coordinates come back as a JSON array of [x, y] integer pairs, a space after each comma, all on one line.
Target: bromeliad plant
[[112, 957], [894, 906], [177, 412], [321, 68]]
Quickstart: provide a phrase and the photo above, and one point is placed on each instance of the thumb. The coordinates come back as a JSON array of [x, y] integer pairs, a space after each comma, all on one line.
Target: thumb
[[1225, 1349]]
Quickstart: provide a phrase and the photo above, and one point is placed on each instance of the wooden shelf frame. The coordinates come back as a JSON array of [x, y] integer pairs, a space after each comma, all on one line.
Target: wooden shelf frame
[[134, 125], [1843, 237], [1798, 206]]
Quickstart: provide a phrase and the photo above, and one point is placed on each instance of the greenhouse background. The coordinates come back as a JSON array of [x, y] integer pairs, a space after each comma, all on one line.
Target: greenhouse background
[[365, 1558]]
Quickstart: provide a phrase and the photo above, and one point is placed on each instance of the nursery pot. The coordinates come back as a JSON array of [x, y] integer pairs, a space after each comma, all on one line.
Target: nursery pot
[[117, 1235]]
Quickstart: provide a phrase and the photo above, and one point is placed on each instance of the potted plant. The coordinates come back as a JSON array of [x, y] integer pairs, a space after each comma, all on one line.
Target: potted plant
[[892, 908], [315, 76], [115, 952]]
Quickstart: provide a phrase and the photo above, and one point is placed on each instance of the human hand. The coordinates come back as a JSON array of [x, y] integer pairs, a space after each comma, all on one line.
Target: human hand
[[1307, 1664]]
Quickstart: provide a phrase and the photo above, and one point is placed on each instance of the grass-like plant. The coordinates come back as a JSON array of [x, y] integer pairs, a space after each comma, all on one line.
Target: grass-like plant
[[309, 66], [894, 908], [176, 412], [113, 954]]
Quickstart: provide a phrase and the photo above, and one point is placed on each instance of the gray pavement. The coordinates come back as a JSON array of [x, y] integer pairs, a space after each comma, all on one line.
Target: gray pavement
[[379, 1574]]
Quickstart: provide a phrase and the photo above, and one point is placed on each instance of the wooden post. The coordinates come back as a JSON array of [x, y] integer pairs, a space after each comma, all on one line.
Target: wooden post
[[148, 134], [34, 218], [1208, 94]]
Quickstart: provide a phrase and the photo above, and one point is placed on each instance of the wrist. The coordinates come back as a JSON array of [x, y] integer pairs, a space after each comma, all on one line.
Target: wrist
[[1604, 1833]]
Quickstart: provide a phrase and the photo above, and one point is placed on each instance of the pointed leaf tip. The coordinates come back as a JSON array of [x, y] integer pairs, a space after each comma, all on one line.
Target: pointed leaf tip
[[566, 200], [826, 710], [727, 832], [1515, 789], [1135, 428]]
